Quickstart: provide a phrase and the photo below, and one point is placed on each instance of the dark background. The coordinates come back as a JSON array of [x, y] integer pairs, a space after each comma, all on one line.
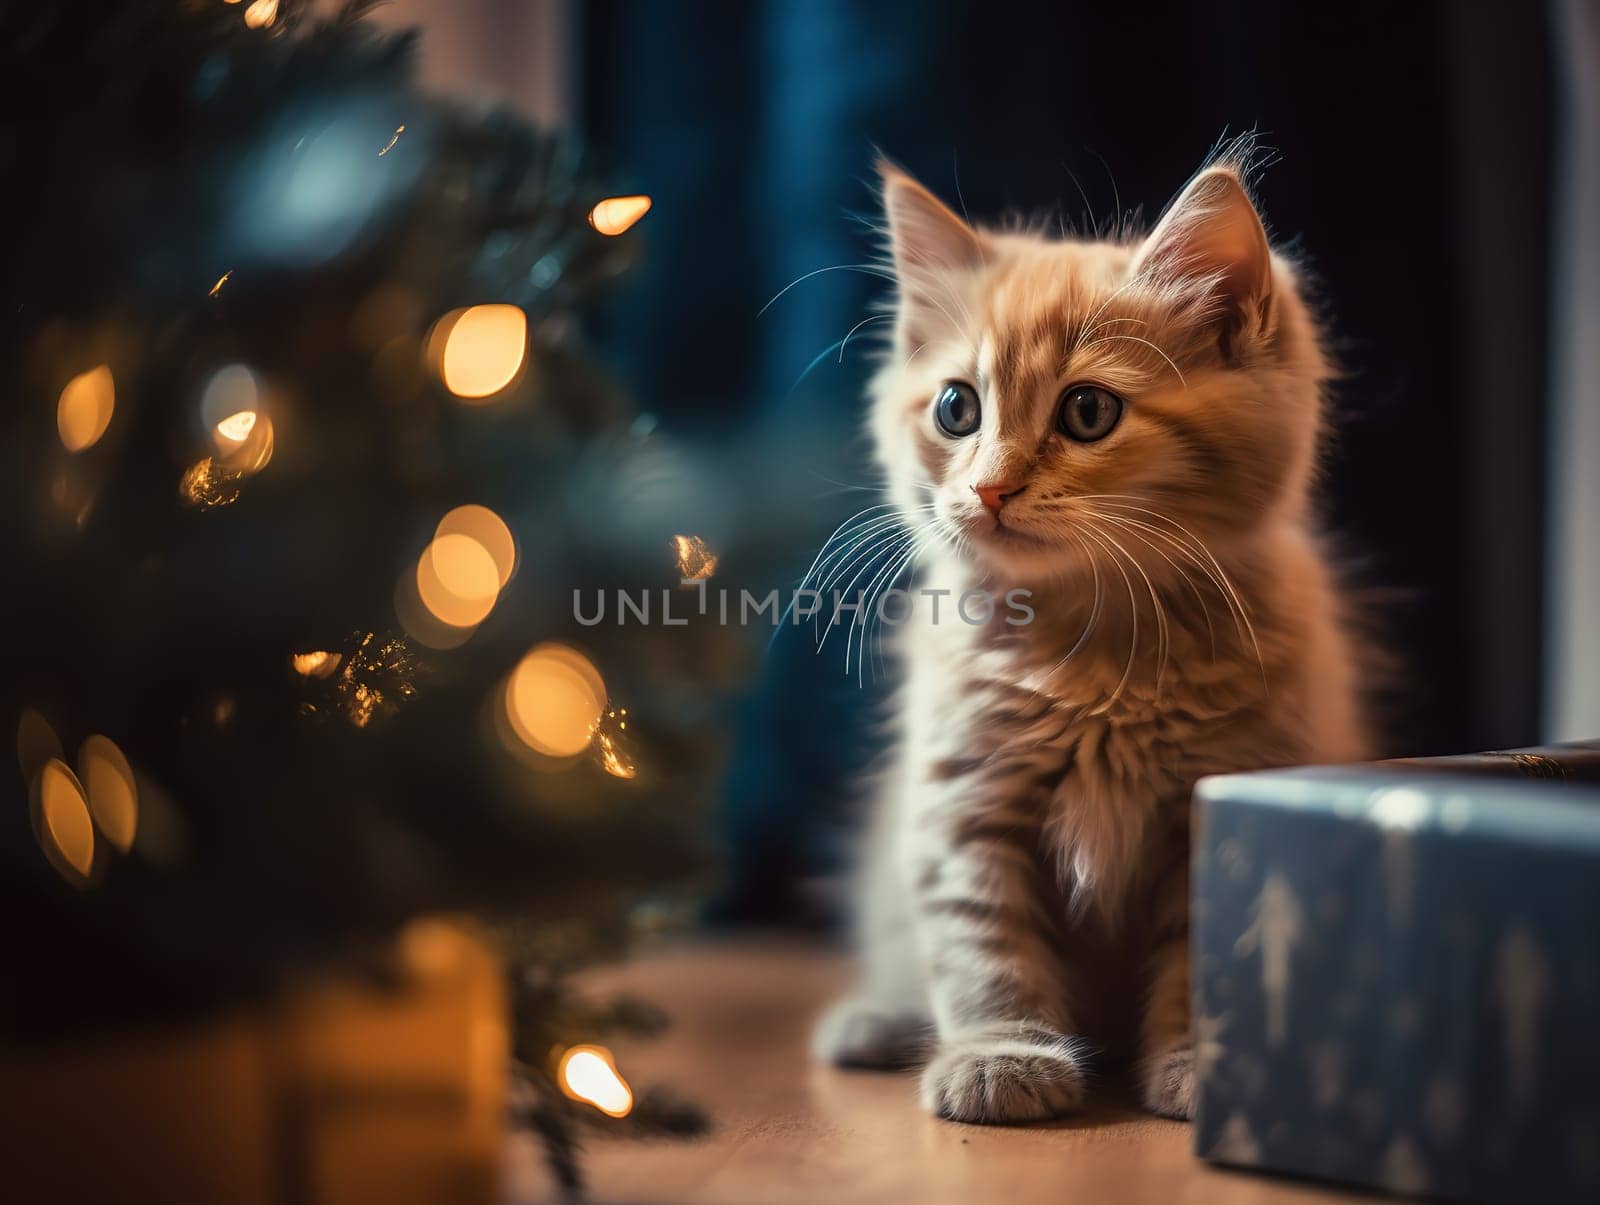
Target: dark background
[[1413, 173]]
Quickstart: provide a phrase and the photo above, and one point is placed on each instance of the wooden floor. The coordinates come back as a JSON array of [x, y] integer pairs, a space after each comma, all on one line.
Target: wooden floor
[[789, 1131]]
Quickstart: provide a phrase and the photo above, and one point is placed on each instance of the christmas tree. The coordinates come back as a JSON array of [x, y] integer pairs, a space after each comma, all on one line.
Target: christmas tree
[[306, 462]]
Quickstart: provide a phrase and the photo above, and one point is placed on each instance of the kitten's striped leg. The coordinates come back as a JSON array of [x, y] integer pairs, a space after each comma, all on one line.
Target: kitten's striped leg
[[1166, 1067], [999, 995]]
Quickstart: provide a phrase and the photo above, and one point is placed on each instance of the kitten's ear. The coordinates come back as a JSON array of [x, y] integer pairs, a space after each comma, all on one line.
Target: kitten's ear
[[1212, 234], [928, 242]]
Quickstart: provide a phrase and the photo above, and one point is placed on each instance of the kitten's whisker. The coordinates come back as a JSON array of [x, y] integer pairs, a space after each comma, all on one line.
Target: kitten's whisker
[[858, 525], [867, 558], [845, 342], [1163, 632], [1094, 608], [1087, 331], [915, 352], [1123, 501], [888, 546], [1077, 343], [885, 579], [1133, 619], [865, 269], [1236, 603], [1147, 343], [784, 618], [865, 533], [917, 548], [958, 324], [863, 598], [1135, 528], [847, 486]]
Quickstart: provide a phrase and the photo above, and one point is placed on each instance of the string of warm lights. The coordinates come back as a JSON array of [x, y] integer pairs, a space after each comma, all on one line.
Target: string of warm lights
[[78, 817], [553, 704]]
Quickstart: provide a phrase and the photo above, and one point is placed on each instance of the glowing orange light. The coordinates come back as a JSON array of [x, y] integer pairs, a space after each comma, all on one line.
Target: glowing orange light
[[255, 453], [83, 411], [554, 700], [486, 528], [589, 1074], [695, 561], [317, 664], [613, 758], [223, 279], [420, 624], [113, 793], [236, 428], [458, 577], [233, 408], [432, 946], [206, 484], [616, 214], [261, 14], [64, 827], [484, 349], [458, 580], [230, 390]]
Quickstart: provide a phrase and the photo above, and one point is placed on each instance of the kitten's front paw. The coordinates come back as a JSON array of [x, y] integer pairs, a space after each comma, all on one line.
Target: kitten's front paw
[[1166, 1083], [858, 1033], [1004, 1075]]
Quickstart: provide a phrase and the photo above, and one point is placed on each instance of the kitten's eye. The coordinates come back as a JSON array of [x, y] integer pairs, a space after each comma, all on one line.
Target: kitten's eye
[[956, 409], [1088, 413]]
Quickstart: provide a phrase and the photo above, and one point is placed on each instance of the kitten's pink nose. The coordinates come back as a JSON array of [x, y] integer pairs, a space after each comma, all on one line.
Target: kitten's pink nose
[[996, 495]]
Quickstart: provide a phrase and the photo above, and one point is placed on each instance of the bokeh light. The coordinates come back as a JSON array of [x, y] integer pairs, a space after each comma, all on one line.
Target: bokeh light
[[696, 562], [316, 664], [589, 1074], [206, 484], [617, 214], [113, 793], [554, 700], [609, 745], [233, 409], [483, 349], [458, 580], [63, 825], [84, 410], [231, 391], [261, 14], [420, 623], [236, 428], [458, 577], [254, 452], [483, 526]]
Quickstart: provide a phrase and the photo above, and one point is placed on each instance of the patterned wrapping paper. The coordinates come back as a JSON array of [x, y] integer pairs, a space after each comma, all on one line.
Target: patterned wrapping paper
[[1397, 980]]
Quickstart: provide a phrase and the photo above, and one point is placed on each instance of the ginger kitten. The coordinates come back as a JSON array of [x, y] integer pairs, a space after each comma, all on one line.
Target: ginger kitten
[[1129, 429]]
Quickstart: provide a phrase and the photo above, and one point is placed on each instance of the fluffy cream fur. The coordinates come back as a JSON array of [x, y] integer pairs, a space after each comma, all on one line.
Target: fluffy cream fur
[[1024, 897]]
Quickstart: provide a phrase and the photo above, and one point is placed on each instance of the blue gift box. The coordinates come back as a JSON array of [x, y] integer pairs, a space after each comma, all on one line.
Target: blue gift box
[[1397, 980]]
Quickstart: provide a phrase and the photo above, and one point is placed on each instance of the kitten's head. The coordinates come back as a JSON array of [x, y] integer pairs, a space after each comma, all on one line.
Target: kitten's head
[[1045, 394]]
